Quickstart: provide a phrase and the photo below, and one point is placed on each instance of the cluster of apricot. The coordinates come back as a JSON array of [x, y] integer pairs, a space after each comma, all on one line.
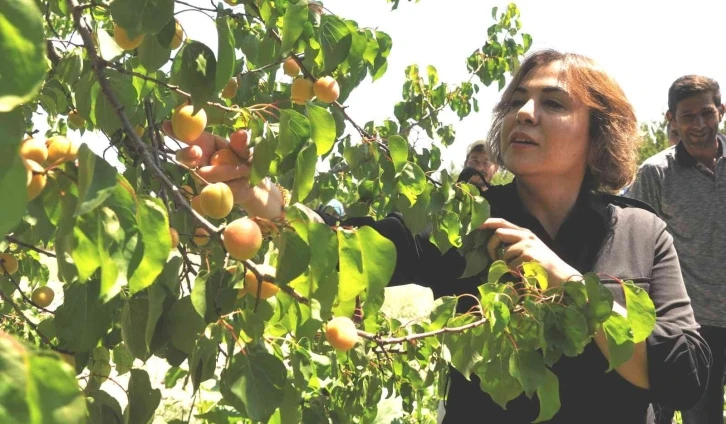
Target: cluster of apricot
[[325, 89], [42, 296], [50, 152]]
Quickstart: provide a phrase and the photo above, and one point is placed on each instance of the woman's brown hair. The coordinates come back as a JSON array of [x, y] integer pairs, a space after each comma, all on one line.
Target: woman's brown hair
[[614, 136]]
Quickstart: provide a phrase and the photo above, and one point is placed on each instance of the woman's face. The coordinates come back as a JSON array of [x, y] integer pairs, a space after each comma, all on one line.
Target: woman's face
[[546, 131]]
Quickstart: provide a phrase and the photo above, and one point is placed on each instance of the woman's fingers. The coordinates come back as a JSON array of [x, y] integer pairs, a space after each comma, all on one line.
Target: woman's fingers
[[190, 156], [494, 223], [224, 173]]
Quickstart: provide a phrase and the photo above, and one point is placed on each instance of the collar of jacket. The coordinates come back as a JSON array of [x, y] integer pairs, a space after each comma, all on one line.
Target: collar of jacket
[[685, 159]]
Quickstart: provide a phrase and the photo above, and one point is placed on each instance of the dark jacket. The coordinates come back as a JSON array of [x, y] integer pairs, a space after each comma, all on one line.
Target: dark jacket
[[605, 234]]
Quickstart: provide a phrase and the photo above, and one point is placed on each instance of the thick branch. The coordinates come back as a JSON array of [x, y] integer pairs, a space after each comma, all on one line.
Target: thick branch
[[99, 68]]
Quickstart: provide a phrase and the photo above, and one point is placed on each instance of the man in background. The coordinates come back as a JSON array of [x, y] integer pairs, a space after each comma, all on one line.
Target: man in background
[[686, 185]]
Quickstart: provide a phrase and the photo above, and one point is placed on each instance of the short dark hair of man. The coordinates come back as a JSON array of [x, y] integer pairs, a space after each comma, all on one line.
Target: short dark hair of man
[[690, 85]]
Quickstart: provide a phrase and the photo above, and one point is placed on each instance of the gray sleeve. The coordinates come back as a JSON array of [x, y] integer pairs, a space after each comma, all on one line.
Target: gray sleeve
[[646, 187], [678, 357]]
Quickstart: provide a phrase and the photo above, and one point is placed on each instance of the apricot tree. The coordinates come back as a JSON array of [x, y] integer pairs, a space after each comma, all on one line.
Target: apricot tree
[[157, 258]]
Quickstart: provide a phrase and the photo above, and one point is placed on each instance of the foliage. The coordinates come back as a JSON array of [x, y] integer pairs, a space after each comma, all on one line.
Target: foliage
[[655, 139], [126, 298]]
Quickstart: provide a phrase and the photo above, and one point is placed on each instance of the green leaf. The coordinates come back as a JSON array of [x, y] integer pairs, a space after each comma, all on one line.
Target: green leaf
[[197, 72], [305, 164], [13, 175], [185, 324], [480, 212], [620, 340], [69, 68], [105, 116], [155, 243], [498, 314], [536, 271], [203, 361], [412, 182], [294, 257], [322, 126], [548, 394], [53, 393], [528, 367], [22, 48], [225, 53], [96, 180], [172, 376], [122, 358], [496, 271], [335, 41], [292, 24], [367, 260], [264, 154], [576, 330], [142, 16], [465, 347], [442, 311], [399, 151], [416, 217], [143, 399], [254, 382], [139, 316], [641, 311], [152, 55], [600, 299], [82, 320], [107, 47], [495, 379], [295, 129], [103, 409]]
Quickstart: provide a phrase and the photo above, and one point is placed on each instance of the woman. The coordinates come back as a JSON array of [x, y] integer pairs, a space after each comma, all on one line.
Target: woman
[[569, 136]]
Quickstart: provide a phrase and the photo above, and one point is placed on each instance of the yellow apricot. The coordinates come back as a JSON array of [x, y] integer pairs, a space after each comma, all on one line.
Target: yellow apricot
[[242, 238], [8, 262], [42, 296], [178, 37], [174, 237], [341, 333], [301, 91], [61, 149], [268, 289], [224, 157], [186, 125], [290, 67], [34, 149], [230, 89], [75, 121], [122, 38], [197, 205], [326, 89], [36, 178], [217, 200], [201, 236]]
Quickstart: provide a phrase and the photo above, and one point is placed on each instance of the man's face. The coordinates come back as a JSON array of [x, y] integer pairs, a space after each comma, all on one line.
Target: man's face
[[696, 120], [480, 162]]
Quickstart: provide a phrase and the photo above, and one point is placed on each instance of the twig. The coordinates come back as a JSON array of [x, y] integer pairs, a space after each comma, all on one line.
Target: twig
[[98, 66], [195, 7], [25, 298], [394, 340], [287, 289], [12, 239], [30, 323]]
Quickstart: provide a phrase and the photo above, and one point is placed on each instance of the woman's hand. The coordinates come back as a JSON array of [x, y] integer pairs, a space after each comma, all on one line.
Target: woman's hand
[[263, 200], [520, 245]]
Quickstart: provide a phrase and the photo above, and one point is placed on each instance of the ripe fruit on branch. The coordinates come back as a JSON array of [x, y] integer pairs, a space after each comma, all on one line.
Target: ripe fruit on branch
[[201, 236], [174, 237], [341, 333], [326, 89], [42, 296], [8, 262], [224, 157], [122, 38], [34, 149], [251, 284], [197, 205], [290, 67], [217, 200], [301, 91], [230, 89], [188, 126], [178, 37], [36, 178], [75, 121], [242, 238], [61, 149]]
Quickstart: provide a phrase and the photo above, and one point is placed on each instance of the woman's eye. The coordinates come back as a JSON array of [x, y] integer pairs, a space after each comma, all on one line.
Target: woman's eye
[[553, 104], [516, 103]]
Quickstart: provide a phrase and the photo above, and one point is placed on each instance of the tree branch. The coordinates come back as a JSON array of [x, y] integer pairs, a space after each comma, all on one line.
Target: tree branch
[[12, 239], [31, 324], [395, 340], [25, 298], [287, 289], [98, 66]]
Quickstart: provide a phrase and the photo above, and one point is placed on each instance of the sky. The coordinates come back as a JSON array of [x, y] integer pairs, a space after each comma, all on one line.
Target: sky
[[644, 44]]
